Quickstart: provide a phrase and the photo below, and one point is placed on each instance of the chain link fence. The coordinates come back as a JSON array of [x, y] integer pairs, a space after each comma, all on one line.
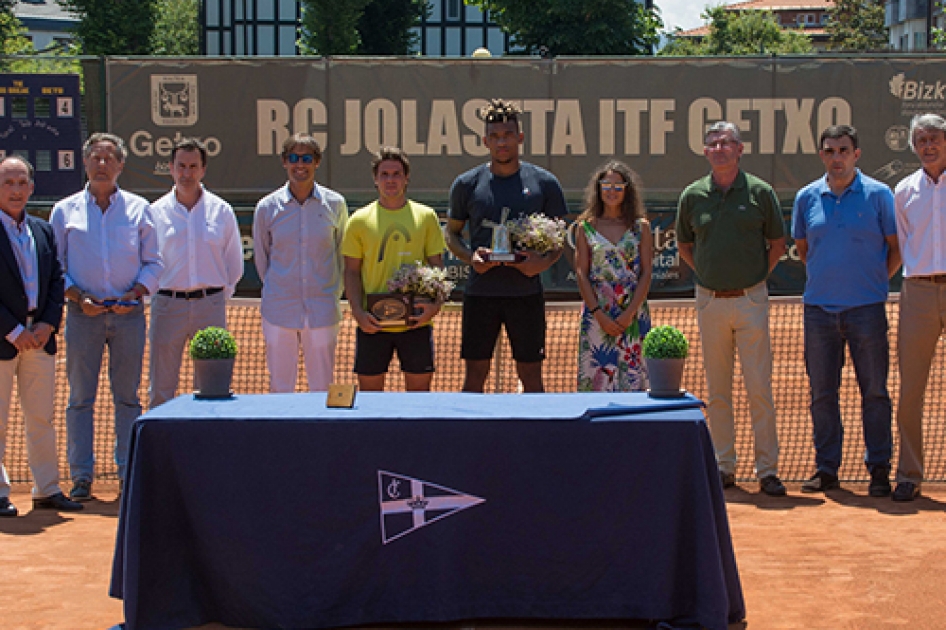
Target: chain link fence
[[790, 384]]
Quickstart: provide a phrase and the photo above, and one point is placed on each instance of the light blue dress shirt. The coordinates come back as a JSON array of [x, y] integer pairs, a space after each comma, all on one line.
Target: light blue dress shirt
[[297, 249], [107, 253], [24, 249]]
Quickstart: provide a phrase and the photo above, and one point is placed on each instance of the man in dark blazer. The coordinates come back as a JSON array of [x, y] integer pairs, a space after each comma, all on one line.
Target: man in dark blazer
[[31, 300]]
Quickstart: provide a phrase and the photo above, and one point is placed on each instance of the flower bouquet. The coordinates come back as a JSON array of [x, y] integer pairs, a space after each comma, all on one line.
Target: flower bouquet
[[537, 233], [420, 280]]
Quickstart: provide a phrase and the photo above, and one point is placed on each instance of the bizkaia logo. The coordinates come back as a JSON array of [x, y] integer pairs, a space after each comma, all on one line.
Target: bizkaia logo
[[174, 100], [908, 90]]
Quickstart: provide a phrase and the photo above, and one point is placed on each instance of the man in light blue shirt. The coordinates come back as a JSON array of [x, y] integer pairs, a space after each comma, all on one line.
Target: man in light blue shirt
[[297, 237], [109, 255], [845, 231]]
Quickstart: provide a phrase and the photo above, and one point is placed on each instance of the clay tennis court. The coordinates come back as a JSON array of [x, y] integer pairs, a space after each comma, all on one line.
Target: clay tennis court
[[841, 561]]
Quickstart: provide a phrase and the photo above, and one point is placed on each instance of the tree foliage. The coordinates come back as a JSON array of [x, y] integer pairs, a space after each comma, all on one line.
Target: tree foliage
[[330, 27], [576, 27], [10, 27], [360, 27], [385, 26], [17, 53], [14, 40], [740, 33], [176, 28], [113, 27], [857, 25]]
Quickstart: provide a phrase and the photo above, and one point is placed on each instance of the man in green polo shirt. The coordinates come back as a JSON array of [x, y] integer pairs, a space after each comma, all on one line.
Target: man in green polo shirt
[[730, 231]]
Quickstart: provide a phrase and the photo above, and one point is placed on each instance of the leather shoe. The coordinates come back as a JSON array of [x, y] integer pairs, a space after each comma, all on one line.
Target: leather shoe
[[879, 482], [57, 501], [821, 481], [772, 486], [728, 480], [906, 491], [7, 509], [81, 491]]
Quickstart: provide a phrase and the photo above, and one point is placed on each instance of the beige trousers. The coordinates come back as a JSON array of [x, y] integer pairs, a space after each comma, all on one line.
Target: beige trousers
[[35, 373], [727, 326], [922, 319]]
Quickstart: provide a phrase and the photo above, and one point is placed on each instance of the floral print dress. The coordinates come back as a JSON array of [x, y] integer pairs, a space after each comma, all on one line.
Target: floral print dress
[[607, 363]]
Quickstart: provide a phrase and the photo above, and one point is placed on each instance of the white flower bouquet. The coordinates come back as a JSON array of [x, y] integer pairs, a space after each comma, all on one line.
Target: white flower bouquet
[[420, 280], [537, 233]]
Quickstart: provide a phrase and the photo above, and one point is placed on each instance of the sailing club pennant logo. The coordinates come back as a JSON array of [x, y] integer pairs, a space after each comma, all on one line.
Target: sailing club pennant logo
[[407, 504]]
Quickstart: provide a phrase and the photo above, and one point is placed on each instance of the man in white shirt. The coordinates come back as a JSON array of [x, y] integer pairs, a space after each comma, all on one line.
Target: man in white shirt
[[108, 250], [920, 205], [297, 236], [199, 241], [31, 289]]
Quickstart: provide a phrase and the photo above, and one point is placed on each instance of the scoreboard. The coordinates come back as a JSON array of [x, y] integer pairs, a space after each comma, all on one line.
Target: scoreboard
[[40, 121]]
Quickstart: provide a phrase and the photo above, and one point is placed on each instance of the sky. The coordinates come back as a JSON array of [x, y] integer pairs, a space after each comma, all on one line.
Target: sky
[[682, 13]]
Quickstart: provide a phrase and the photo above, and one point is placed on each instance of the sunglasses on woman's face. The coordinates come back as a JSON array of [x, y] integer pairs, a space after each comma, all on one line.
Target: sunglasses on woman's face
[[295, 158], [609, 186]]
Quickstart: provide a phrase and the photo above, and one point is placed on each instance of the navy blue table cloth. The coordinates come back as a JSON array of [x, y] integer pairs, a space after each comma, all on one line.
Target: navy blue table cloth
[[272, 511]]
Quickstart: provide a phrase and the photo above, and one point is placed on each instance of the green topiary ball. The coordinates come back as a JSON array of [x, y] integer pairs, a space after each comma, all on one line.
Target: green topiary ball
[[665, 342], [213, 342]]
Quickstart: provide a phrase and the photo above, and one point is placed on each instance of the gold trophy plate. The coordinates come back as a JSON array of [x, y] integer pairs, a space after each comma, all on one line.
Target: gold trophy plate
[[391, 309]]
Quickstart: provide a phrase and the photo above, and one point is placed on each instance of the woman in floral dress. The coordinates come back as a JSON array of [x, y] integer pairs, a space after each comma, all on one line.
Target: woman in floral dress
[[613, 260]]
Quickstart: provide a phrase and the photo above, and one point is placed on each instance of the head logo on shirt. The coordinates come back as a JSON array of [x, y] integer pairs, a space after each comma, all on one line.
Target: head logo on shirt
[[394, 233]]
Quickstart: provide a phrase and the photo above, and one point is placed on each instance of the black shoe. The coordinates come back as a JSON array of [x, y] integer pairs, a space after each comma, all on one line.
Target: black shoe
[[772, 486], [7, 509], [879, 482], [728, 480], [906, 491], [57, 501], [81, 491], [821, 481]]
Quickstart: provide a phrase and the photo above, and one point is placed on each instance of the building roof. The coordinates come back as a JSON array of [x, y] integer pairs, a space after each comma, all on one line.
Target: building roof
[[775, 6], [699, 31], [42, 10], [781, 5], [703, 31]]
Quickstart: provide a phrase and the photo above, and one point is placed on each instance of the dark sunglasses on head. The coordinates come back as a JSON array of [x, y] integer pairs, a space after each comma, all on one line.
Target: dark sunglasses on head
[[295, 158]]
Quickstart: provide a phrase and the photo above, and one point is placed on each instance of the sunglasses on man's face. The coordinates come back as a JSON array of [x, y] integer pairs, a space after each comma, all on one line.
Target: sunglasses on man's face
[[295, 158]]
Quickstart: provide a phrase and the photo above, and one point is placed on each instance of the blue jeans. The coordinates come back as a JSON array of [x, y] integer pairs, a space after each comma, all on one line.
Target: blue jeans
[[864, 329], [86, 339]]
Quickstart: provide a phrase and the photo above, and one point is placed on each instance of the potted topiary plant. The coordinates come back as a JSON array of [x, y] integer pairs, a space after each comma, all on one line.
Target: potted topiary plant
[[214, 351], [665, 348]]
